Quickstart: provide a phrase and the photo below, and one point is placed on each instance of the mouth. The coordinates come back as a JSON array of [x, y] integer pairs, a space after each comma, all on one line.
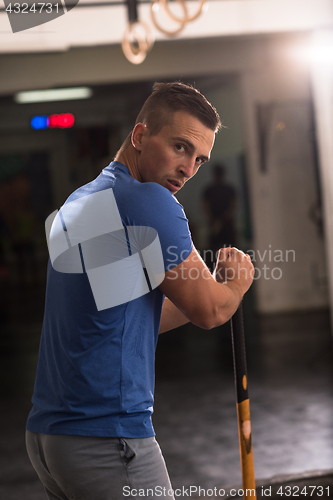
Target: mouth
[[174, 185]]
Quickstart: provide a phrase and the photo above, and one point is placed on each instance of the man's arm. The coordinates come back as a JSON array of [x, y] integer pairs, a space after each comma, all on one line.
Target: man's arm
[[171, 317], [196, 295]]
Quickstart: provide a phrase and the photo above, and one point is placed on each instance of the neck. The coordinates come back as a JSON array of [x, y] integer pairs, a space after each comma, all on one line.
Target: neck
[[129, 157]]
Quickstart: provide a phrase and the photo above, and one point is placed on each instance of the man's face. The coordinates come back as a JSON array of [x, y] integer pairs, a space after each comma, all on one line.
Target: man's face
[[175, 154]]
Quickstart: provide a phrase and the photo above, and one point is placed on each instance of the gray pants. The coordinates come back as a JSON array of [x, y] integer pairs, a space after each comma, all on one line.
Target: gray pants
[[93, 468]]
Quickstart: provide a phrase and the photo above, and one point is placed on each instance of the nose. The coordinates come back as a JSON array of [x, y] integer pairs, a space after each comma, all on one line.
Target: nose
[[187, 168]]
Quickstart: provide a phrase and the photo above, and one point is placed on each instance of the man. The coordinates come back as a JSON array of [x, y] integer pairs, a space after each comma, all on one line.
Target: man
[[89, 433]]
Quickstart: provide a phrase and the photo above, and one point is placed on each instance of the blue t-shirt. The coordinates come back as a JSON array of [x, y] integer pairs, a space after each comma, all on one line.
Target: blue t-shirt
[[95, 374]]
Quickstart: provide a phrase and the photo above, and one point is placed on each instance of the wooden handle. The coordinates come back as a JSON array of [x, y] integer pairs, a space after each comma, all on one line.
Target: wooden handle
[[243, 405]]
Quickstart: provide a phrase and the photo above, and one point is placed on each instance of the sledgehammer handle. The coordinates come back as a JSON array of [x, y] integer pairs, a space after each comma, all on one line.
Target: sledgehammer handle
[[243, 404]]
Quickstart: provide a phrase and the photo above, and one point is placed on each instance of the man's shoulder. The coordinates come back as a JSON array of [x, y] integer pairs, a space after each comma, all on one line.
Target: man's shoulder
[[152, 203], [156, 192], [145, 194]]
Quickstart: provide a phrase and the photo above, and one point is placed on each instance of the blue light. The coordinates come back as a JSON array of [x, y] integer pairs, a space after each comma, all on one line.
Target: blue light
[[39, 122]]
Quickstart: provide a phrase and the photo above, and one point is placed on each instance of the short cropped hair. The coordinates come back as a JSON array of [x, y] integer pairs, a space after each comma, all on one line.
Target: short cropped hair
[[167, 98]]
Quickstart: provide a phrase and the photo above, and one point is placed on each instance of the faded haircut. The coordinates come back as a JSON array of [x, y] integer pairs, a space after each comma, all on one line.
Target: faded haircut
[[167, 98]]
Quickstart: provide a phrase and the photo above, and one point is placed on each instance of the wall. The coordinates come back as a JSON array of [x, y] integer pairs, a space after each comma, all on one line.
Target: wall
[[322, 84], [284, 193]]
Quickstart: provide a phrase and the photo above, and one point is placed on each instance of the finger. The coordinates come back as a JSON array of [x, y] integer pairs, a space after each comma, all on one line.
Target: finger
[[237, 254], [224, 253]]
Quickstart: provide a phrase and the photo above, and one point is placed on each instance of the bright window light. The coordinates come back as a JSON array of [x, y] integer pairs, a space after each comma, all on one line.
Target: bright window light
[[315, 54], [322, 54], [318, 50], [53, 95]]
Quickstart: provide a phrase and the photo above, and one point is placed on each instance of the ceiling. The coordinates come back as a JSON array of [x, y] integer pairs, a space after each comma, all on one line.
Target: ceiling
[[103, 22]]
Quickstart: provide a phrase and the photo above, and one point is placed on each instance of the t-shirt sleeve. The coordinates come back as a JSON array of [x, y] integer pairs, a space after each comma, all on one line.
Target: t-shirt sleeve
[[167, 216]]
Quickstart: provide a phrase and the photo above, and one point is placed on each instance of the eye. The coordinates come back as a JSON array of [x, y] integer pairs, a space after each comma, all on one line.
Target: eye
[[180, 148], [199, 161]]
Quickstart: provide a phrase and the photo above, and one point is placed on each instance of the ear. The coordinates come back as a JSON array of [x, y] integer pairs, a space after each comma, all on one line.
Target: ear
[[139, 132]]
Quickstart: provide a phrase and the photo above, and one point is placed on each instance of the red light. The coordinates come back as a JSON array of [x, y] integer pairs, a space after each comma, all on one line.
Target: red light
[[64, 120]]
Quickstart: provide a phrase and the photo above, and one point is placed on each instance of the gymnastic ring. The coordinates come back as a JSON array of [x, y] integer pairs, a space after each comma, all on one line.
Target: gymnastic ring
[[153, 8], [133, 54], [185, 19]]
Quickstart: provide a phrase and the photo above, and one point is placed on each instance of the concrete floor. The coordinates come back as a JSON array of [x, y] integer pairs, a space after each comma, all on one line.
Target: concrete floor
[[291, 393]]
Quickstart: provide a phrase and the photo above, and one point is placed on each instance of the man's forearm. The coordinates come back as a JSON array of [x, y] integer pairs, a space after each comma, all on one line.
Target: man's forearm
[[171, 317], [207, 301], [232, 299]]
